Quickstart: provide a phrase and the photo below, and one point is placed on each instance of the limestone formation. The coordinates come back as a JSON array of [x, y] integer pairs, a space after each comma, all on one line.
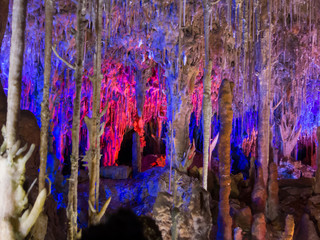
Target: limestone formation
[[226, 114]]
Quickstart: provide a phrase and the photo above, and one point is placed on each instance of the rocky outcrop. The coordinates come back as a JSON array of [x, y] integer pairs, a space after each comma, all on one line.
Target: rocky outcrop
[[191, 215], [161, 212]]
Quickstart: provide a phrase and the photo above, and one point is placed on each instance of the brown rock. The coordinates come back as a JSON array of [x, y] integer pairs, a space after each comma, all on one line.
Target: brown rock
[[235, 180], [306, 229], [243, 219], [315, 200], [297, 183]]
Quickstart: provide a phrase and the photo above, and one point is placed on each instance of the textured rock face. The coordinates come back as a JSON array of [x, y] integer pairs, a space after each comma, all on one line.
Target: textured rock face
[[193, 216], [162, 214], [313, 207], [116, 172], [306, 229]]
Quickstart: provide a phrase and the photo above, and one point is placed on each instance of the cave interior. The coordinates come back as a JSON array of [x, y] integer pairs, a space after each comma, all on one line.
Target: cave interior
[[160, 119]]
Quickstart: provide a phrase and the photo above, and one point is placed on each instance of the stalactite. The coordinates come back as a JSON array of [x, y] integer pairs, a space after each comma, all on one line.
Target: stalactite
[[206, 102]]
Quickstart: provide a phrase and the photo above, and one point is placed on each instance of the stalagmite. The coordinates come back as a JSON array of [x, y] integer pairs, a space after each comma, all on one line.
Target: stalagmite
[[258, 230], [289, 228], [225, 116], [273, 190], [259, 194]]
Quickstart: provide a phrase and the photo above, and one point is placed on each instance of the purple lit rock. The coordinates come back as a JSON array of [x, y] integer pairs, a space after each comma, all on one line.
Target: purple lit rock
[[116, 172]]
